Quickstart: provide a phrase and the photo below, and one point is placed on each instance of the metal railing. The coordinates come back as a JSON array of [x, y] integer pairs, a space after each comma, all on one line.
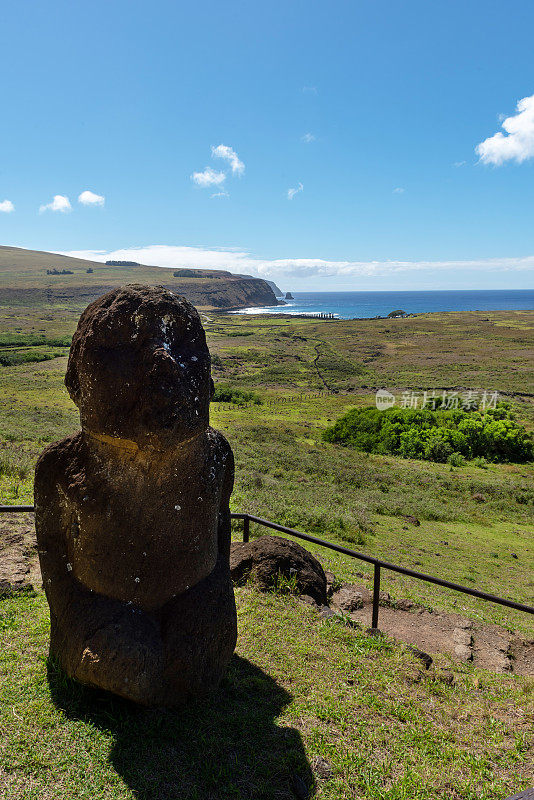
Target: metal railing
[[378, 563]]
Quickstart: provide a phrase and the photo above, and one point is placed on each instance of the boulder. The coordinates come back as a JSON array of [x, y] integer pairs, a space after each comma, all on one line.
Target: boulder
[[132, 512], [264, 558]]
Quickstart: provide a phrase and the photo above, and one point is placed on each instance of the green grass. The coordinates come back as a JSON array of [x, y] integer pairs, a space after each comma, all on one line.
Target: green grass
[[296, 691]]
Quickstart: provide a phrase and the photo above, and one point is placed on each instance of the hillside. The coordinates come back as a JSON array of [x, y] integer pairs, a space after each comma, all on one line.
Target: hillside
[[24, 281]]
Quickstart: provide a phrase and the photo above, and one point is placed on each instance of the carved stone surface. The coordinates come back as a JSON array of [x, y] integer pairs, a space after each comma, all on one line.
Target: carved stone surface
[[266, 557], [132, 514]]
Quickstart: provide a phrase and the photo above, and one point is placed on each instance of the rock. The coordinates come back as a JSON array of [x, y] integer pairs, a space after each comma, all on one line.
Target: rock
[[479, 498], [528, 794], [331, 581], [445, 676], [132, 512], [348, 598], [464, 623], [422, 656], [326, 613], [405, 605], [374, 632], [264, 558], [463, 652], [514, 555], [305, 598], [322, 768], [462, 636], [412, 520]]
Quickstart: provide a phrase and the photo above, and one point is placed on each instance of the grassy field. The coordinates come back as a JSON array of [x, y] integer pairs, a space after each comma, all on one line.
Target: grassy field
[[299, 691], [304, 708]]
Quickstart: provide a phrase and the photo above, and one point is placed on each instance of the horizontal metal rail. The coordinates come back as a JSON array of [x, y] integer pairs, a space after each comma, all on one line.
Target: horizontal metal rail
[[378, 563]]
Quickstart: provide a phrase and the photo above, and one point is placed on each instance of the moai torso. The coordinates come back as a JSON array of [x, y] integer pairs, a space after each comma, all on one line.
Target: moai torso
[[148, 550]]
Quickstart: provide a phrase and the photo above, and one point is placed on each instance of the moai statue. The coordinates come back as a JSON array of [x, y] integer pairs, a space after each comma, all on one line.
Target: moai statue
[[132, 514]]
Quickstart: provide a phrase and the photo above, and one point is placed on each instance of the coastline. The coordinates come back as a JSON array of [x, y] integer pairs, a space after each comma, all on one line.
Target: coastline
[[331, 306]]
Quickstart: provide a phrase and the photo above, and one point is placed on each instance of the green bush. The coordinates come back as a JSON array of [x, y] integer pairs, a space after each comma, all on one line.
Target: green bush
[[434, 435], [456, 460], [225, 394], [14, 359]]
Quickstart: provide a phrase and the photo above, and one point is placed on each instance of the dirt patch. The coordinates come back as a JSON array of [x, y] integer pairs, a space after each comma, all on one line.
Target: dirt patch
[[19, 567]]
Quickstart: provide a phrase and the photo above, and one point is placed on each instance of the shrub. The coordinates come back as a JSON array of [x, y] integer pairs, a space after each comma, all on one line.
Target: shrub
[[434, 435], [240, 397], [14, 359], [456, 460]]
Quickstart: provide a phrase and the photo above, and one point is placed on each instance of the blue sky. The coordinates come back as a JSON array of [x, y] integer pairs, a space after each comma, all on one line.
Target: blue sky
[[349, 134]]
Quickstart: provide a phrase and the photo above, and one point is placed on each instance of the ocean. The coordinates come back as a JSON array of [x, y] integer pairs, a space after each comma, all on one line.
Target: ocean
[[350, 305]]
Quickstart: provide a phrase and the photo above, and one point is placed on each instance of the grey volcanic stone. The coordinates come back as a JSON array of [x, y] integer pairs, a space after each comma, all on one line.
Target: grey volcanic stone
[[267, 556], [132, 514], [348, 598]]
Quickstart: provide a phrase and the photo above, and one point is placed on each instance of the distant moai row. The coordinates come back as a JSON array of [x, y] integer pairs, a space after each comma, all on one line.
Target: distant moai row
[[275, 401], [318, 315]]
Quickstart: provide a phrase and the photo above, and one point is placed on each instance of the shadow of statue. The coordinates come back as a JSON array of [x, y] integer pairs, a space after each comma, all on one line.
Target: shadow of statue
[[229, 747]]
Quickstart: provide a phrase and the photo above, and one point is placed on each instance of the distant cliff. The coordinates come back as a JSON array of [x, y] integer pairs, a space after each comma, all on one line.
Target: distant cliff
[[30, 276], [278, 292]]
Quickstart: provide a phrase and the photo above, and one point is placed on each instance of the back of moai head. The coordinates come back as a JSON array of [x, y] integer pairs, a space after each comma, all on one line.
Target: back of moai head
[[132, 513], [139, 367]]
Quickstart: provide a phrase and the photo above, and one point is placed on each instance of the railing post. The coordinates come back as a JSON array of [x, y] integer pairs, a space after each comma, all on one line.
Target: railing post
[[376, 596], [246, 527]]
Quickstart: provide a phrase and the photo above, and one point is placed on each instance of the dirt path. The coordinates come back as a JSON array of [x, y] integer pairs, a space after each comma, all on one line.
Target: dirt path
[[316, 364], [19, 568], [488, 646]]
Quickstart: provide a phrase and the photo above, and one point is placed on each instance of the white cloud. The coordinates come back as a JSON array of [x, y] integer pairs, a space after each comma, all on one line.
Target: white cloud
[[59, 203], [459, 163], [308, 137], [230, 155], [208, 178], [88, 198], [236, 260], [292, 192], [220, 194], [6, 206], [517, 144], [399, 190]]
